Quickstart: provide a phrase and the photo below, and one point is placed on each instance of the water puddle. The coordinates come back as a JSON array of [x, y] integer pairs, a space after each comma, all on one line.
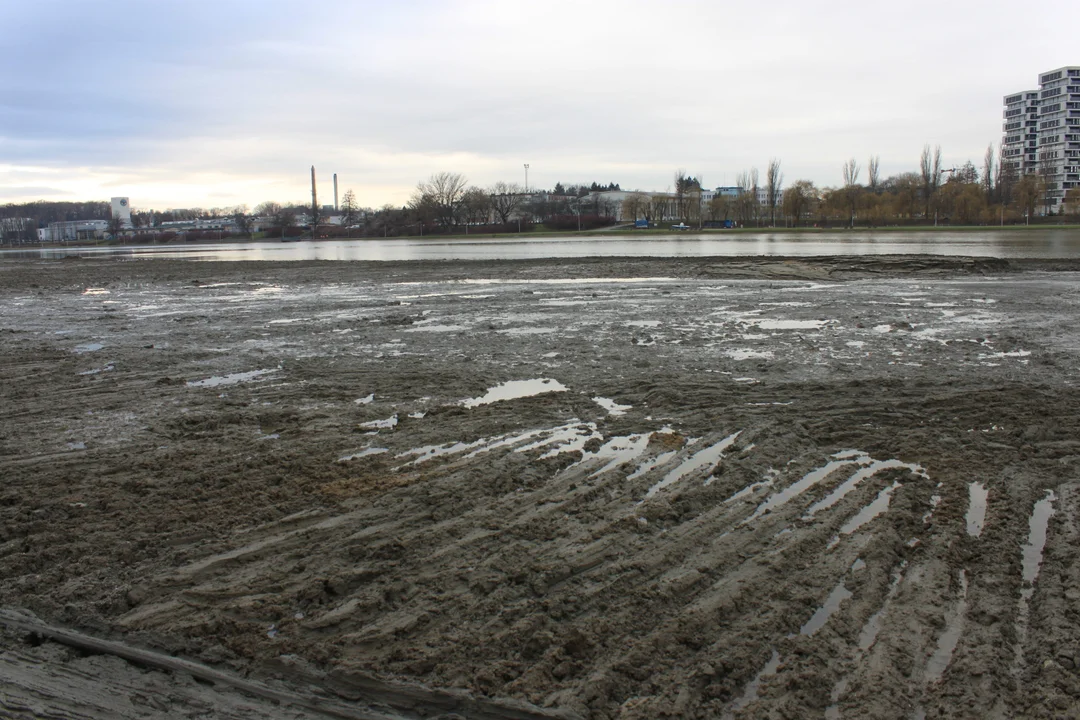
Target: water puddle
[[748, 354], [1031, 561], [612, 407], [87, 347], [528, 331], [233, 379], [95, 291], [367, 400], [872, 467], [703, 458], [514, 389], [879, 505], [976, 512], [566, 438], [954, 626], [867, 638], [808, 481], [827, 610], [750, 692], [650, 465], [617, 451], [790, 324], [108, 368], [363, 453], [389, 422], [436, 328]]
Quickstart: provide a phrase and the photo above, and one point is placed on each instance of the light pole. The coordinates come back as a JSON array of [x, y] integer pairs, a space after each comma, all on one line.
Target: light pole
[[526, 177]]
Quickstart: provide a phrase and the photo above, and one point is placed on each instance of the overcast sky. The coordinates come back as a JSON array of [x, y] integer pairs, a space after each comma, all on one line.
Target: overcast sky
[[182, 103]]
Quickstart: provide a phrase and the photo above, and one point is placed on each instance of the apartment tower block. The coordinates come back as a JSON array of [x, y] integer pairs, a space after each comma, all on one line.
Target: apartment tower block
[[1042, 133]]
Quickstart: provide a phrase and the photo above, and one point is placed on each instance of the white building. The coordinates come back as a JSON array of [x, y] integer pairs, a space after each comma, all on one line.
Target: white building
[[1059, 132], [1042, 132], [121, 207], [74, 230]]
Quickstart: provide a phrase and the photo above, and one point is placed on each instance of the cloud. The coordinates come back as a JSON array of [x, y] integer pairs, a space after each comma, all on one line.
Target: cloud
[[234, 98]]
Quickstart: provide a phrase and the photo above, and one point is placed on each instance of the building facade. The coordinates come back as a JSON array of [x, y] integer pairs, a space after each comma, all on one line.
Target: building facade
[[1042, 133]]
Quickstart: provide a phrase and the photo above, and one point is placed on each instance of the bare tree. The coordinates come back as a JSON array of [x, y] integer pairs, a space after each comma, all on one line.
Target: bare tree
[[635, 205], [851, 188], [774, 180], [988, 172], [680, 192], [798, 199], [873, 173], [443, 193], [349, 209], [242, 220], [506, 198], [930, 170], [115, 226]]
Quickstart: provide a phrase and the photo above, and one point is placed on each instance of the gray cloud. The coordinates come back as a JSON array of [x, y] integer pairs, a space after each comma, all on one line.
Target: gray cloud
[[240, 96]]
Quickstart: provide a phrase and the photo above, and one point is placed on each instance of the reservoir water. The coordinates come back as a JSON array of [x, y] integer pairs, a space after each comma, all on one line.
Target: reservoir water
[[1042, 243]]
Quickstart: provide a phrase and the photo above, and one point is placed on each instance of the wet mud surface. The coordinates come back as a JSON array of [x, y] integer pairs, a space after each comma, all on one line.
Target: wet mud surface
[[839, 488]]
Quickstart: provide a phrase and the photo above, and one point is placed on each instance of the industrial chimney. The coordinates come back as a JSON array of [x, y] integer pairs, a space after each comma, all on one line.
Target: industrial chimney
[[335, 193]]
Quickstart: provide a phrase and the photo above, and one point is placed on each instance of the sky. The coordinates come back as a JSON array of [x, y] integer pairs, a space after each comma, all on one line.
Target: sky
[[198, 103]]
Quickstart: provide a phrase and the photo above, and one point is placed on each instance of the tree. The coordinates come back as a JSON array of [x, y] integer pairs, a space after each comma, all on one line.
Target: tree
[[774, 180], [1072, 201], [1027, 192], [873, 173], [242, 220], [115, 226], [443, 193], [634, 206], [988, 173], [349, 210], [930, 170], [475, 207], [798, 200], [746, 204], [852, 190], [506, 198]]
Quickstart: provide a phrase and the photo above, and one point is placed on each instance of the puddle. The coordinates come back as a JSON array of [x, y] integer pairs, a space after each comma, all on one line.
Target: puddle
[[1031, 560], [87, 347], [809, 480], [658, 461], [644, 323], [868, 634], [749, 490], [513, 389], [748, 354], [612, 407], [233, 379], [569, 438], [703, 458], [1037, 525], [874, 467], [618, 451], [76, 446], [389, 422], [750, 692], [365, 400], [1012, 354], [790, 324], [573, 435], [954, 626], [108, 368], [826, 611], [878, 506], [976, 512], [528, 331], [436, 328], [363, 453]]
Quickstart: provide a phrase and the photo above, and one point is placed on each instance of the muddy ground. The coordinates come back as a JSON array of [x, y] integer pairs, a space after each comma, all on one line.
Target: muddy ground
[[741, 488]]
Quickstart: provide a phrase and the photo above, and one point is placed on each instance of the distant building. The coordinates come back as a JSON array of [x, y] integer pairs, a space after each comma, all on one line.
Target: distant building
[[1042, 133], [75, 230], [121, 207]]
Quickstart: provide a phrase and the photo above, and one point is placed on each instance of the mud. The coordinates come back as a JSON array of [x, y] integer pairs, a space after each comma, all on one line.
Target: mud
[[616, 488]]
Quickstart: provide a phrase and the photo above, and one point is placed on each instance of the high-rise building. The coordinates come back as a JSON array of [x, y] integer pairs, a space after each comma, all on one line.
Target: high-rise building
[[1059, 132], [1042, 133], [120, 207], [1020, 145]]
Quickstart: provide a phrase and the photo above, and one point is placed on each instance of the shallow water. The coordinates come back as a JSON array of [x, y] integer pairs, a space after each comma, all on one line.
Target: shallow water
[[1006, 244]]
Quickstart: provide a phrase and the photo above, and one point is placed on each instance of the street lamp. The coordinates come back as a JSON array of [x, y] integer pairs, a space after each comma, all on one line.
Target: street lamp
[[526, 177]]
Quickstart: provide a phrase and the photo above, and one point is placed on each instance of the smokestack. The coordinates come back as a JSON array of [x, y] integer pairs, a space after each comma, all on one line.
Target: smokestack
[[314, 205], [335, 193]]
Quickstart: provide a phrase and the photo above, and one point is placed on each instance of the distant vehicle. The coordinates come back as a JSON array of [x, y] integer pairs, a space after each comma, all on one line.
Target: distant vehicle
[[641, 224], [680, 226]]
